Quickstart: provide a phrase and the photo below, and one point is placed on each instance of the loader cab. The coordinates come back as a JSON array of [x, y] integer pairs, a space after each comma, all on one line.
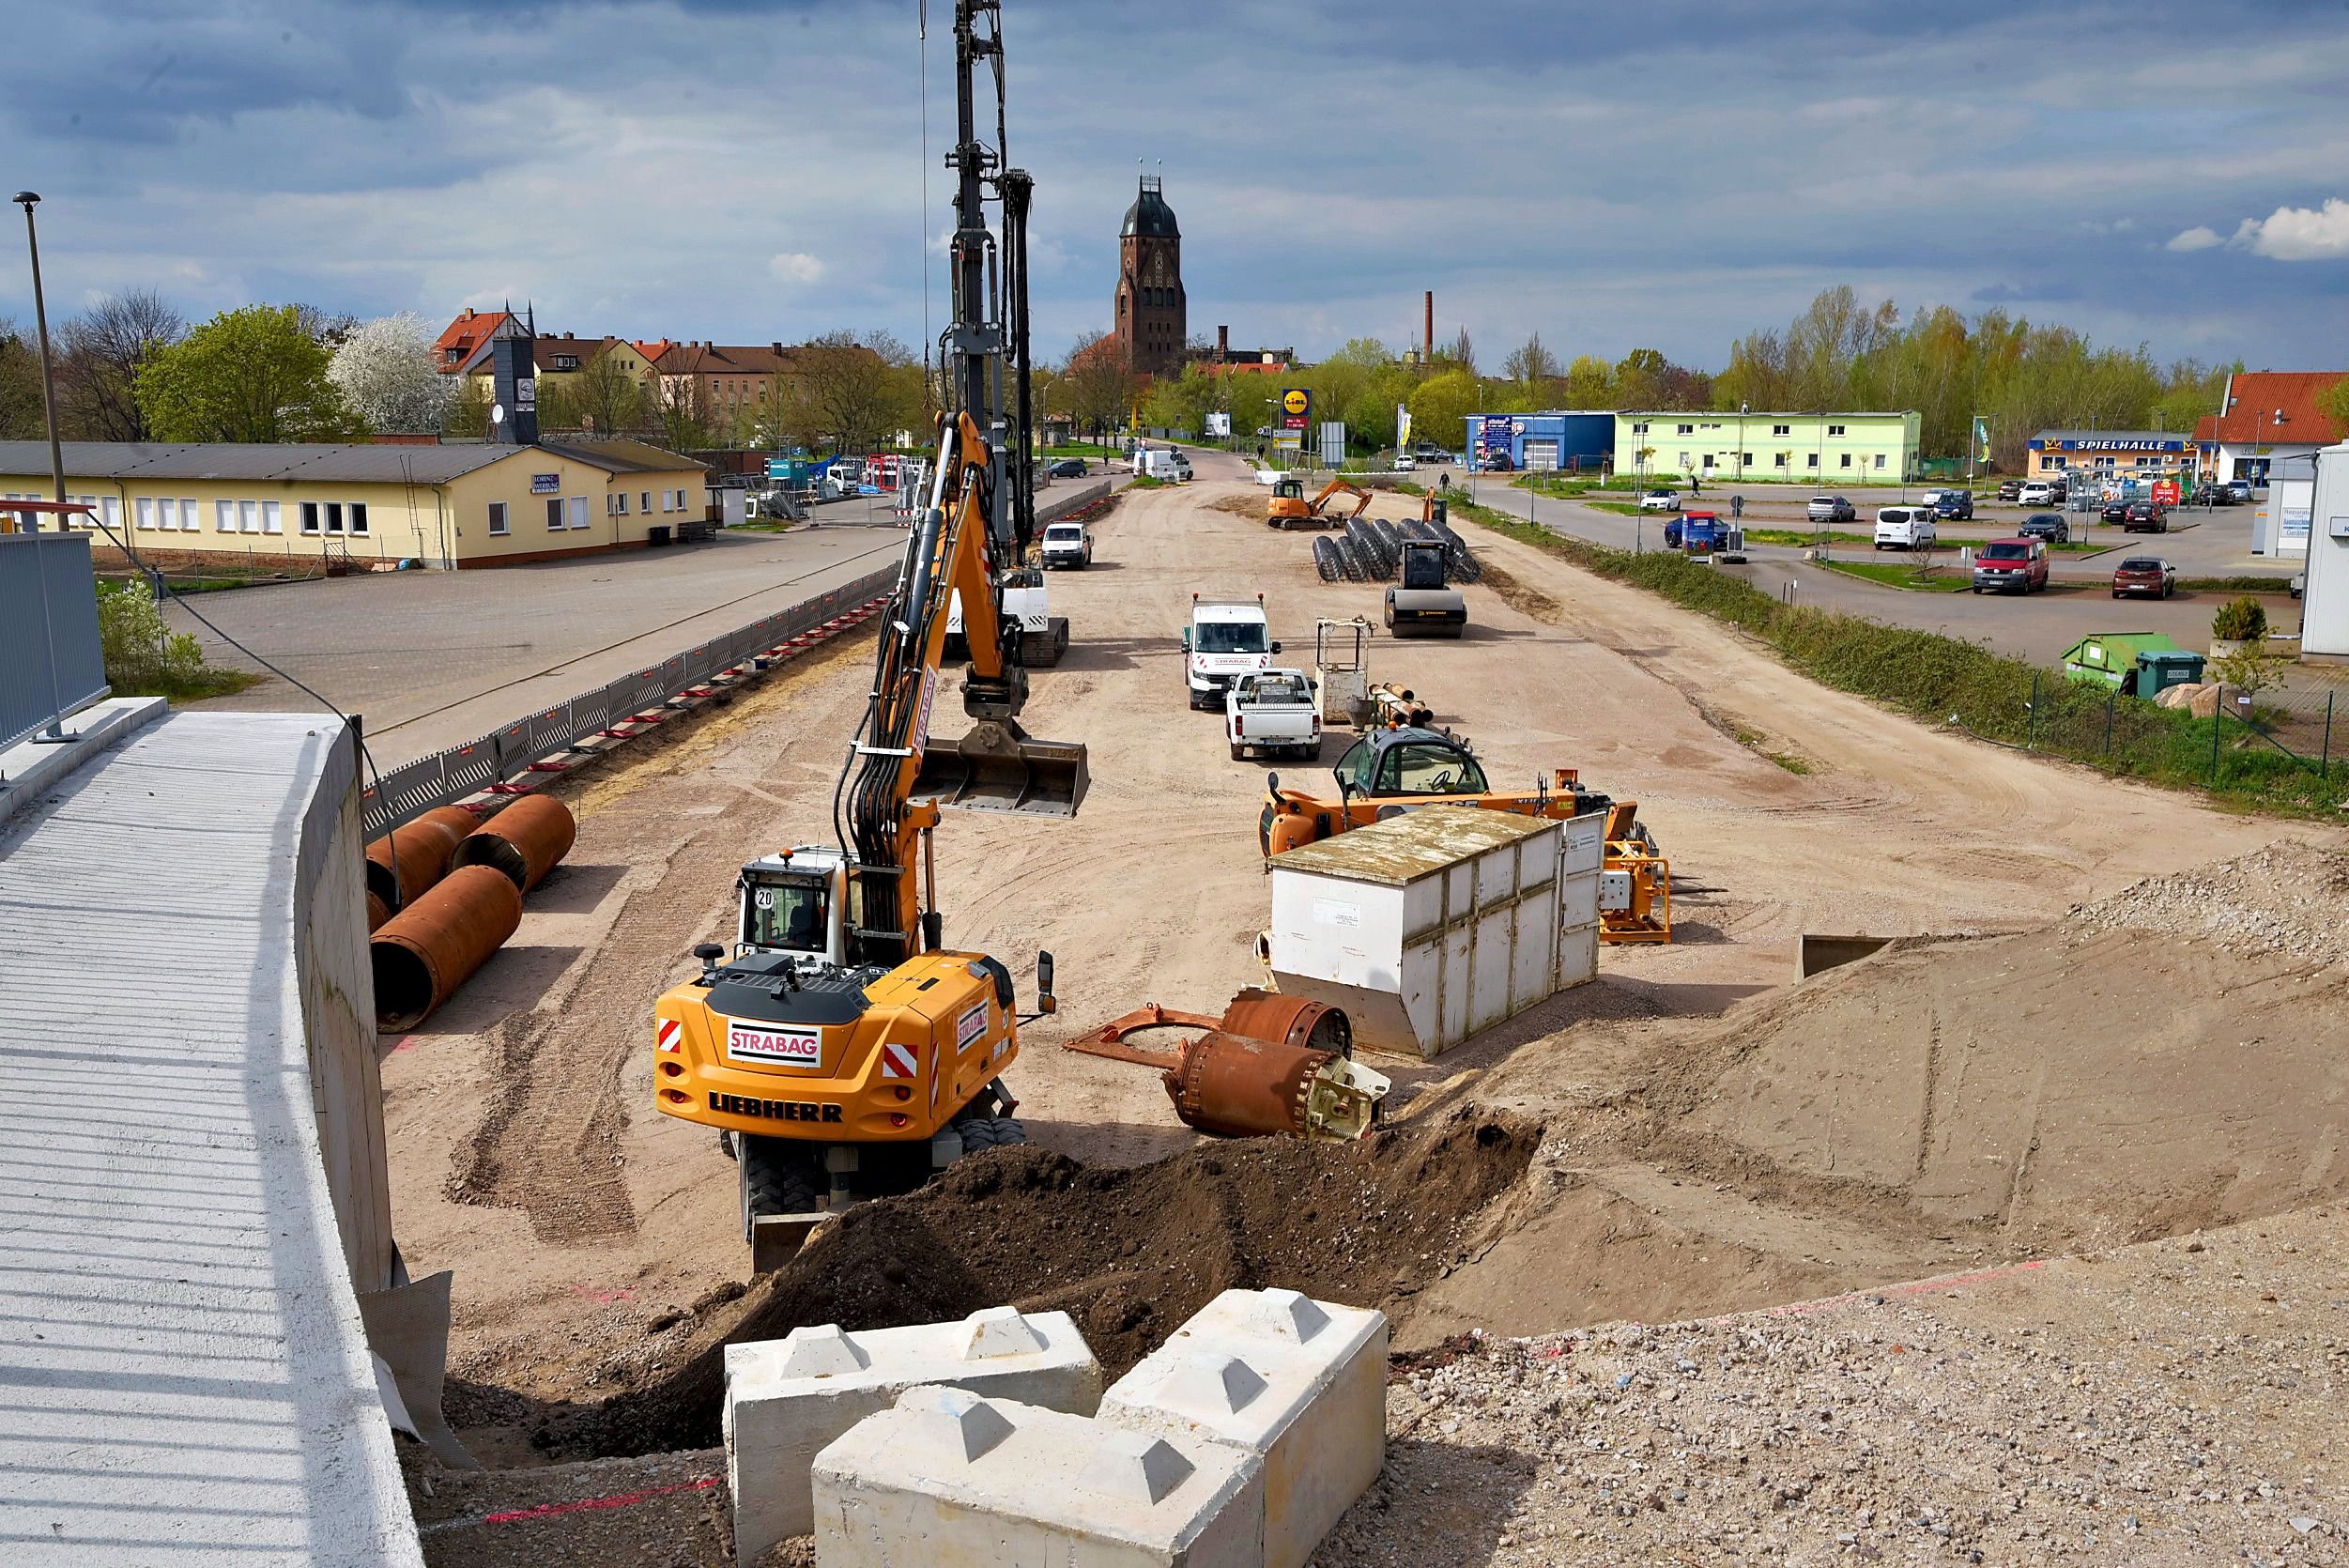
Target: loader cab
[[1409, 761], [794, 902], [1422, 564]]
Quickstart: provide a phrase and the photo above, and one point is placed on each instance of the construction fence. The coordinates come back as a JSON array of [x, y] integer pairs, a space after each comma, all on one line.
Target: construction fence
[[2278, 737], [502, 762]]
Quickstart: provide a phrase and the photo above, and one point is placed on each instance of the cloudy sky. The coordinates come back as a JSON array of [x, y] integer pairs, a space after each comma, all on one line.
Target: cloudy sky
[[1667, 175]]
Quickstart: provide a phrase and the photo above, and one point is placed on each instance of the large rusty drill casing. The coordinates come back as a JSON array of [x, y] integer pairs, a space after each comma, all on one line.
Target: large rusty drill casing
[[1267, 1015], [526, 841], [377, 913], [420, 851], [427, 951], [1242, 1087]]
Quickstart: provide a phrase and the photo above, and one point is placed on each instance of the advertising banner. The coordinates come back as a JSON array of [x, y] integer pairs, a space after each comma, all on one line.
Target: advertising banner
[[1402, 426], [1296, 408]]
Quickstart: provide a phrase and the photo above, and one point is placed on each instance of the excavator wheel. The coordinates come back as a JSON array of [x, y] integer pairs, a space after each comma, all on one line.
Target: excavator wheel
[[990, 1132], [776, 1178]]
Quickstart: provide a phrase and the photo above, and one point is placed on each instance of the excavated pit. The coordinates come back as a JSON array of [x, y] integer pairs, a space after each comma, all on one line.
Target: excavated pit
[[1129, 1253]]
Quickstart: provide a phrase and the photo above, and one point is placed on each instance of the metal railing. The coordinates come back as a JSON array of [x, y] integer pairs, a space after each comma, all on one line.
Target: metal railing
[[498, 758], [51, 661]]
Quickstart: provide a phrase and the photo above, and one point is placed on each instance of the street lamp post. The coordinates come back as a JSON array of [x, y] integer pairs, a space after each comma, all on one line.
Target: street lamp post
[[29, 200]]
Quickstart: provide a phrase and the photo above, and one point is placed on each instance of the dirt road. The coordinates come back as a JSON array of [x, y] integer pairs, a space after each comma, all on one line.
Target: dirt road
[[526, 1155]]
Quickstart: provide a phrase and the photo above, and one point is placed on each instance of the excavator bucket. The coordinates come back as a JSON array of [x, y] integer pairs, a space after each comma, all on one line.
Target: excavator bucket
[[1000, 767]]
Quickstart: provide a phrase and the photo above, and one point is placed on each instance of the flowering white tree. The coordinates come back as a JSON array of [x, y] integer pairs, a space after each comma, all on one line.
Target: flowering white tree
[[384, 370]]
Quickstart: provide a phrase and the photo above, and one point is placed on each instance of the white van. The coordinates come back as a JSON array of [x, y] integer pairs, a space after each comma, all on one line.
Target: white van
[[1904, 527], [1160, 463]]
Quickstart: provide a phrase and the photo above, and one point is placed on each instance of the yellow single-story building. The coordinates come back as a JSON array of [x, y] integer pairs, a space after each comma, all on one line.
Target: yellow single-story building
[[459, 504]]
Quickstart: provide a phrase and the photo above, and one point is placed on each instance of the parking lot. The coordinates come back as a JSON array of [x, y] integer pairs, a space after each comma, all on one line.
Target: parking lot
[[435, 659]]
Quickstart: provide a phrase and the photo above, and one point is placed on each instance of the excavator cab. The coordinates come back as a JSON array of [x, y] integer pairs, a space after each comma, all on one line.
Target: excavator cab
[[794, 902], [1286, 505]]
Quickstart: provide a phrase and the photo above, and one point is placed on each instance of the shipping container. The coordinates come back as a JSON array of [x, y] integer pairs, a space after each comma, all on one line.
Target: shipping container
[[1435, 925]]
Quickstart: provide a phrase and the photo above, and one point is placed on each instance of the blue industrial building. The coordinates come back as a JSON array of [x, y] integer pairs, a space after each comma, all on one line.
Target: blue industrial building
[[1575, 440]]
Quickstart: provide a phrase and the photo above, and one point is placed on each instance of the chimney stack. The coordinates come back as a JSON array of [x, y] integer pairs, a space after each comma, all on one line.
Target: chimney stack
[[1427, 337], [1223, 345]]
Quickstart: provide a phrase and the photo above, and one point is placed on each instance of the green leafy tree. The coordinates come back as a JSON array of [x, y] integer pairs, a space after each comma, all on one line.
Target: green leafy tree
[[20, 384], [1440, 406], [1589, 383], [2333, 402], [248, 374]]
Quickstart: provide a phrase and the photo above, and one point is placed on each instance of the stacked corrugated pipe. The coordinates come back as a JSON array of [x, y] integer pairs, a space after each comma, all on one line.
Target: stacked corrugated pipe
[[458, 897]]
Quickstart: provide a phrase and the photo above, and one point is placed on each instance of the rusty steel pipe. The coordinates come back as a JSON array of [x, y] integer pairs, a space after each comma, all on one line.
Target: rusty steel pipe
[[377, 913], [417, 852], [1242, 1087], [525, 841], [428, 949], [1267, 1015]]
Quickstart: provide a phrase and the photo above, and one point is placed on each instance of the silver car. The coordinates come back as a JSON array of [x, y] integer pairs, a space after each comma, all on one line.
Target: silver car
[[1830, 509]]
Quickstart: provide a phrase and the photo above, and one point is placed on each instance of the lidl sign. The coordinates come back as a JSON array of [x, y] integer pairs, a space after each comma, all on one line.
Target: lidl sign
[[1296, 408]]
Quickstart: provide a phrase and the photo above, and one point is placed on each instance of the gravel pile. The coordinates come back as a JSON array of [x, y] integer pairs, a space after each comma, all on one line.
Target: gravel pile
[[2187, 1401], [2285, 899]]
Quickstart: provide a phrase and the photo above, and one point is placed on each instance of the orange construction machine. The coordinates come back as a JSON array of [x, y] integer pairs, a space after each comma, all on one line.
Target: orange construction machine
[[1288, 508], [836, 1043], [1388, 772]]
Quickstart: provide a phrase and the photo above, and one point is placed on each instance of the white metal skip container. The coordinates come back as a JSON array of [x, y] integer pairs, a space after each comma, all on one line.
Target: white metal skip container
[[1435, 925]]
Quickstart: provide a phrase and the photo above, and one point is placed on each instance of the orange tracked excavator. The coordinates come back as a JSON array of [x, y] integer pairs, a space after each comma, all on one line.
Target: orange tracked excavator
[[1288, 508]]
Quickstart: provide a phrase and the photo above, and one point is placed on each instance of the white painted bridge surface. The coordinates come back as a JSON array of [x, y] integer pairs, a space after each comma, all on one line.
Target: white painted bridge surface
[[183, 1376]]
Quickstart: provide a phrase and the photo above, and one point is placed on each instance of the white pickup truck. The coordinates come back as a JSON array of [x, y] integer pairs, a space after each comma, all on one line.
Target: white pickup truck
[[1274, 712], [1225, 639]]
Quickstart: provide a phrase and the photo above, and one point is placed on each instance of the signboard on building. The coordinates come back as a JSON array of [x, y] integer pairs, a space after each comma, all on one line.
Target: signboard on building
[[2107, 443], [1296, 408], [524, 394], [545, 484]]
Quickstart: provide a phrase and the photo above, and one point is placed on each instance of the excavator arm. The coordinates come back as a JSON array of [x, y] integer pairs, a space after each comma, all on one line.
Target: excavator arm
[[895, 780], [1342, 486]]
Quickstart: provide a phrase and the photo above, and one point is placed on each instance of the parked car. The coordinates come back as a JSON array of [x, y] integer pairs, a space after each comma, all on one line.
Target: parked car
[[2010, 490], [2115, 511], [1499, 462], [2038, 492], [2144, 576], [1830, 509], [1428, 452], [1660, 500], [1067, 467], [2241, 490], [1949, 505], [1405, 463], [1068, 544], [1904, 527], [2049, 528], [2011, 566], [2144, 517], [2212, 494]]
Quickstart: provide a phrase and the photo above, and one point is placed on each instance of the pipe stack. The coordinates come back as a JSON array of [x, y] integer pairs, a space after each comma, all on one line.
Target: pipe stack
[[433, 944], [402, 864]]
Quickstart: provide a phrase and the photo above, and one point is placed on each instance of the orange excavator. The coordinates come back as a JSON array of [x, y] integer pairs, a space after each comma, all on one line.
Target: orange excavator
[[1288, 508], [1399, 769], [840, 1047]]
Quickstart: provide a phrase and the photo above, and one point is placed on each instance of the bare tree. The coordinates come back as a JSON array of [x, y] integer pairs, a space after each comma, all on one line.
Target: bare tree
[[1461, 353], [604, 396], [1531, 364], [1100, 382], [858, 388], [100, 354]]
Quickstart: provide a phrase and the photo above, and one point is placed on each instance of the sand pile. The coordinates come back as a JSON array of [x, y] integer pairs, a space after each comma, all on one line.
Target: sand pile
[[2284, 899]]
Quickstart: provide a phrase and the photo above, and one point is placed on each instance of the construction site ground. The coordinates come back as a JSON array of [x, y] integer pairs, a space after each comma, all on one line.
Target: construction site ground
[[2080, 1061]]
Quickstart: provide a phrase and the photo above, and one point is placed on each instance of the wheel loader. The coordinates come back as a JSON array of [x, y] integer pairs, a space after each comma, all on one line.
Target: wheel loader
[[837, 1044], [1393, 771]]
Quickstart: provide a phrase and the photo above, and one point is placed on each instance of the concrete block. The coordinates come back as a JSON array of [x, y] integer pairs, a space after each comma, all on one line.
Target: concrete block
[[949, 1479], [1301, 1383], [786, 1398]]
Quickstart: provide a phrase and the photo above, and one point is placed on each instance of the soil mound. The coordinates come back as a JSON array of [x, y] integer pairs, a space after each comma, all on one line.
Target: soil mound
[[2284, 899], [1129, 1253]]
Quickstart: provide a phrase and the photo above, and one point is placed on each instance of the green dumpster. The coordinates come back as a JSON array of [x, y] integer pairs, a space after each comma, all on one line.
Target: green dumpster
[[2158, 670]]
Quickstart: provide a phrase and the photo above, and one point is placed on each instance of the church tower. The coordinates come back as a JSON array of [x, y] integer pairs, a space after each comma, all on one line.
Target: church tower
[[1151, 313]]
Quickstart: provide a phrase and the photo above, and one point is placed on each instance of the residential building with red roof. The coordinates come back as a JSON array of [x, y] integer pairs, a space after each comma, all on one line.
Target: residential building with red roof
[[2267, 417]]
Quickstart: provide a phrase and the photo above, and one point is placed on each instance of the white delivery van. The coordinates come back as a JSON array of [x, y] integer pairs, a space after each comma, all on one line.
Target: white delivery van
[[1225, 639], [1904, 527]]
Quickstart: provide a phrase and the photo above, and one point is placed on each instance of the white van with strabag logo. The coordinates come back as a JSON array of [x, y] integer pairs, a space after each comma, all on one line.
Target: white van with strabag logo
[[1226, 638]]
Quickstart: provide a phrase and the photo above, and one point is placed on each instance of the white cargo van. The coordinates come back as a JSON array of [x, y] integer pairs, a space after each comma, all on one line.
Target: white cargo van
[[1904, 527], [1225, 639], [1160, 463]]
